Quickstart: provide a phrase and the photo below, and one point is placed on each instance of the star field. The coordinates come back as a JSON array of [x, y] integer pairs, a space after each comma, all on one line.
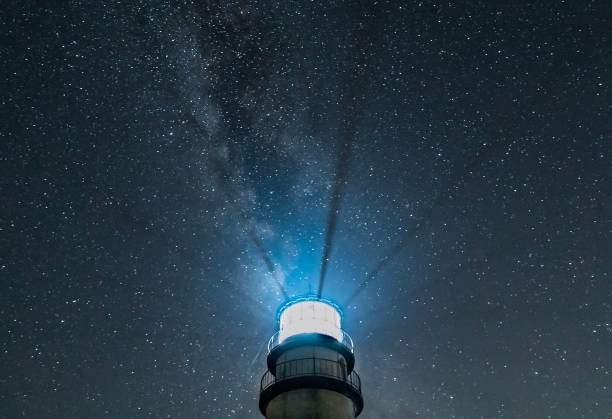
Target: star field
[[166, 165]]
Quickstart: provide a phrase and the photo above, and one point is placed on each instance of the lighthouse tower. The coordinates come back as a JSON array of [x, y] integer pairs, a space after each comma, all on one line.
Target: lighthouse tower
[[310, 365]]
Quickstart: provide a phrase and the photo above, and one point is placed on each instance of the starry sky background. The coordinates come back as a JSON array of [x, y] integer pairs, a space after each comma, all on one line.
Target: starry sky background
[[146, 144]]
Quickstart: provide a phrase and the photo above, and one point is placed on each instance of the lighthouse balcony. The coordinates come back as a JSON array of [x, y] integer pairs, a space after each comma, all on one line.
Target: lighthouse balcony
[[315, 373]]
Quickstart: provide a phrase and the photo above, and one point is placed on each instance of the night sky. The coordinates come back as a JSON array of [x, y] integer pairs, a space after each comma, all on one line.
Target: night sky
[[165, 166]]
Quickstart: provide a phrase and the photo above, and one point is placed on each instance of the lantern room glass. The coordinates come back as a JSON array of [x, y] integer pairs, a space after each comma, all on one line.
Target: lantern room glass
[[310, 317]]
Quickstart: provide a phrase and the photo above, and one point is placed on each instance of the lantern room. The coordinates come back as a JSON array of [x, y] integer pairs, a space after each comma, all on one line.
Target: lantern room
[[309, 315]]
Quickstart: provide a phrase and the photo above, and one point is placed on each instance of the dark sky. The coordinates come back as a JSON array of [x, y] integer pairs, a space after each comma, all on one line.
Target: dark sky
[[153, 154]]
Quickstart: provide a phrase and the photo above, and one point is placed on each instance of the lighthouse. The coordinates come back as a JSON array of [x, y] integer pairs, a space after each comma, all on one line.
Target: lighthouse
[[310, 364]]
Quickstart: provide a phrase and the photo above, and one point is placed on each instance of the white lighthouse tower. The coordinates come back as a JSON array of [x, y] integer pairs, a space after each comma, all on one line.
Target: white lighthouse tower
[[310, 365]]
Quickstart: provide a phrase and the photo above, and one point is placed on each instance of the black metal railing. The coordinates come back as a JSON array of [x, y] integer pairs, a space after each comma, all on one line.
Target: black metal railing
[[304, 367]]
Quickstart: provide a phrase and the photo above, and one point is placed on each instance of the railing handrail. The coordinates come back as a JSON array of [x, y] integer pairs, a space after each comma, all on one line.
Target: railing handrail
[[346, 341], [352, 379]]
